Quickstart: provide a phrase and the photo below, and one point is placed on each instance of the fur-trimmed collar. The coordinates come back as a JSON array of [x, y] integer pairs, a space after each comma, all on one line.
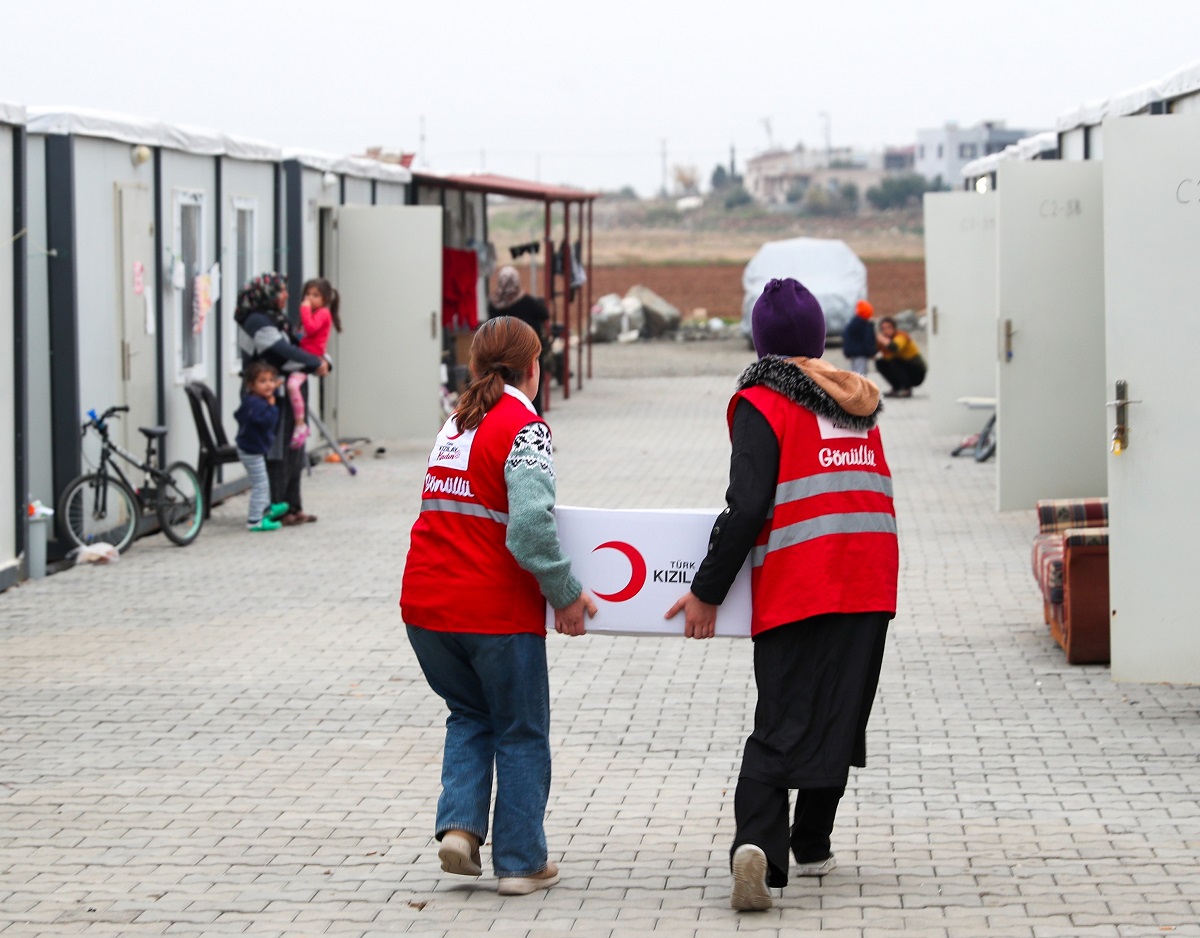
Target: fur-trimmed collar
[[812, 383]]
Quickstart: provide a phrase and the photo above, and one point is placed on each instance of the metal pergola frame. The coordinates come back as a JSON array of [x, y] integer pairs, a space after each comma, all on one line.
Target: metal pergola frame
[[509, 187]]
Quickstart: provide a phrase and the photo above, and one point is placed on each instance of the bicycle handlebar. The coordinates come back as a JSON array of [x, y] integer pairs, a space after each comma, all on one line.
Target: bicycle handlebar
[[98, 420]]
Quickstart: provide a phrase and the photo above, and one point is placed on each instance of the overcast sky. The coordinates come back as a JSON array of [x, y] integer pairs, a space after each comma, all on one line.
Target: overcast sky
[[586, 93]]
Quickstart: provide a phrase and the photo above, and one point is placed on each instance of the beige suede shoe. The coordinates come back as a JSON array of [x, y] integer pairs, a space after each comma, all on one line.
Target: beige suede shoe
[[459, 853], [524, 885], [749, 893]]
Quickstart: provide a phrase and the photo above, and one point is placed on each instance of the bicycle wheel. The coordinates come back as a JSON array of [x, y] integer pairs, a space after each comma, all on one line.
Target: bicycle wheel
[[180, 507], [986, 444], [97, 509]]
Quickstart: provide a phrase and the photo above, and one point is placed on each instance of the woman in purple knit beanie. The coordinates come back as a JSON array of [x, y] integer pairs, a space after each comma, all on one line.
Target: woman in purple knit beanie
[[788, 321]]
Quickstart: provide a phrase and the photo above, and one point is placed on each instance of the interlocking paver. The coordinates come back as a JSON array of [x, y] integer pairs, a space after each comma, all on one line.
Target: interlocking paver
[[235, 738]]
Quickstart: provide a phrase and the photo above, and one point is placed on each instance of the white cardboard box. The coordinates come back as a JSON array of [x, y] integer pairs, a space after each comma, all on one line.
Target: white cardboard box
[[636, 564]]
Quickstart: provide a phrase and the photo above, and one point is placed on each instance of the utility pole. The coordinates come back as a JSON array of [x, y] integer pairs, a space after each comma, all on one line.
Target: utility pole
[[824, 115], [732, 164], [664, 169], [766, 122], [421, 146]]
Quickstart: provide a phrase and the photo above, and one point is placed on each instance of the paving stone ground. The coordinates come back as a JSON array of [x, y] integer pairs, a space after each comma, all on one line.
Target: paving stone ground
[[234, 737]]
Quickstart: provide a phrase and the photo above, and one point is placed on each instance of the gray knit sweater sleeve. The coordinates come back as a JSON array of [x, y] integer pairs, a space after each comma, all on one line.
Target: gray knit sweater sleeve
[[532, 534]]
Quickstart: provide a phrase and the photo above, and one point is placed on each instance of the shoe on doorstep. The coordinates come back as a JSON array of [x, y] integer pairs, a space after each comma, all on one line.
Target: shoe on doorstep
[[816, 868], [266, 524], [459, 853], [277, 511], [749, 880], [524, 885]]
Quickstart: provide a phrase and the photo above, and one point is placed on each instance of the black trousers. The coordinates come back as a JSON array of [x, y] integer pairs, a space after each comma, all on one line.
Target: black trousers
[[816, 682], [762, 819], [285, 465], [900, 374]]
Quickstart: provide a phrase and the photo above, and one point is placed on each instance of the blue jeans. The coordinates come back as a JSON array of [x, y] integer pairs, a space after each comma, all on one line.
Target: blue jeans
[[498, 690], [260, 487]]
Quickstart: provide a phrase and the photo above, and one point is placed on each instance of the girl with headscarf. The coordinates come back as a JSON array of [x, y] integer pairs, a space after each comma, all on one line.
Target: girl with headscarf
[[265, 334]]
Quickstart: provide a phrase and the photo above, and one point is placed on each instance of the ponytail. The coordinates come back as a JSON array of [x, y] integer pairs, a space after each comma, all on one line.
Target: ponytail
[[502, 352]]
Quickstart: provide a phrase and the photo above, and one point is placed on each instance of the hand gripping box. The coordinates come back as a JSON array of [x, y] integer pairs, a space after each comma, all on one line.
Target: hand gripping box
[[636, 564]]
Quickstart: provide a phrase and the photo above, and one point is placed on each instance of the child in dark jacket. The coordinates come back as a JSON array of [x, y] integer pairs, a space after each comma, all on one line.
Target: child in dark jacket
[[858, 338], [257, 419]]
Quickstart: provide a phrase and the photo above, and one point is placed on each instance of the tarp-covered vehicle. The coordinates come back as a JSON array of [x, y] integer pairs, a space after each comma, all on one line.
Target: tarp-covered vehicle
[[829, 269]]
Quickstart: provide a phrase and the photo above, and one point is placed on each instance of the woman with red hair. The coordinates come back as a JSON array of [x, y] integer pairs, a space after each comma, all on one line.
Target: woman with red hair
[[483, 561]]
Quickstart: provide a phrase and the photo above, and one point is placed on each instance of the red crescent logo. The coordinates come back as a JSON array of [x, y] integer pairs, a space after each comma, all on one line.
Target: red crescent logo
[[637, 576]]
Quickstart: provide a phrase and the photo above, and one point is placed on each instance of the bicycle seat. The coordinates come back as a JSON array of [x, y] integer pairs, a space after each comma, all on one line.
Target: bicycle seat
[[152, 433]]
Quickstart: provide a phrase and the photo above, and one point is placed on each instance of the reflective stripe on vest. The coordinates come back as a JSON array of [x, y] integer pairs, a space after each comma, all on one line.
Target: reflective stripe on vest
[[854, 522], [830, 482], [827, 482], [463, 508]]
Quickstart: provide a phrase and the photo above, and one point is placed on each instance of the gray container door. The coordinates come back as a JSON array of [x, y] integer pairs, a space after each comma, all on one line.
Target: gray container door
[[136, 294], [1050, 427], [1151, 246], [960, 285], [389, 275]]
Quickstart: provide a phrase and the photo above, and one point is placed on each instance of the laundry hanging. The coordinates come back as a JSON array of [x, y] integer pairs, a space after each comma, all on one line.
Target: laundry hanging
[[460, 301]]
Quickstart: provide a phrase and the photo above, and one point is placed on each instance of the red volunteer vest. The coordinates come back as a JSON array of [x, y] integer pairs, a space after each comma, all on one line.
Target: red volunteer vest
[[830, 543], [459, 575]]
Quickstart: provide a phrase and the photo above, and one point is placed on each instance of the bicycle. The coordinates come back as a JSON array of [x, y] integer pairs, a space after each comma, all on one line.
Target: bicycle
[[105, 507], [981, 445]]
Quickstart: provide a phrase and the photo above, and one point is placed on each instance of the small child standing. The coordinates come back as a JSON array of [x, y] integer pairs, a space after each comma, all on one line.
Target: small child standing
[[858, 338], [318, 313], [257, 419]]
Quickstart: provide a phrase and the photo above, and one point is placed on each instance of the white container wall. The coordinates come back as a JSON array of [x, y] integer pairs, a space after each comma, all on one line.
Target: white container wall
[[11, 498], [390, 193], [189, 244], [960, 286], [116, 339], [1151, 242], [247, 249], [1051, 436], [40, 448], [390, 277]]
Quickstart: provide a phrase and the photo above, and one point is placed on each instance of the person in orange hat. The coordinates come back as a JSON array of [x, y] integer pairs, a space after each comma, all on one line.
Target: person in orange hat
[[858, 338]]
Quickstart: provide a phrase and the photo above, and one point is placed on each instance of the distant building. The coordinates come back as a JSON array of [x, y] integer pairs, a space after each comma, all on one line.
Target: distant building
[[899, 159], [944, 151], [780, 176]]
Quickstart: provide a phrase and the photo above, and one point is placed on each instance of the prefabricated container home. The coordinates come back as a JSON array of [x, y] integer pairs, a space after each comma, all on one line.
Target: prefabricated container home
[[317, 185], [1081, 129], [147, 228], [12, 328]]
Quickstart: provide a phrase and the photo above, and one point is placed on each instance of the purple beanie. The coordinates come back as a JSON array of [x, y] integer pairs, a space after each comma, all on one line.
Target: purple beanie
[[788, 321]]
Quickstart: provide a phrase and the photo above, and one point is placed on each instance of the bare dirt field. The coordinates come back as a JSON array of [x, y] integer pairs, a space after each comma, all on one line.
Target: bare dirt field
[[695, 260], [872, 236], [893, 285]]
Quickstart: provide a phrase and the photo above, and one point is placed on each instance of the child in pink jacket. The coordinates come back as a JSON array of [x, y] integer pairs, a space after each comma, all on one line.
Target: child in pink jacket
[[318, 314]]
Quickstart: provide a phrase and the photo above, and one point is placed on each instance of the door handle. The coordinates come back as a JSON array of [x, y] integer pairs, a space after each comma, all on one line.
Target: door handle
[[1009, 332], [126, 364], [1120, 437], [933, 318], [433, 324]]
